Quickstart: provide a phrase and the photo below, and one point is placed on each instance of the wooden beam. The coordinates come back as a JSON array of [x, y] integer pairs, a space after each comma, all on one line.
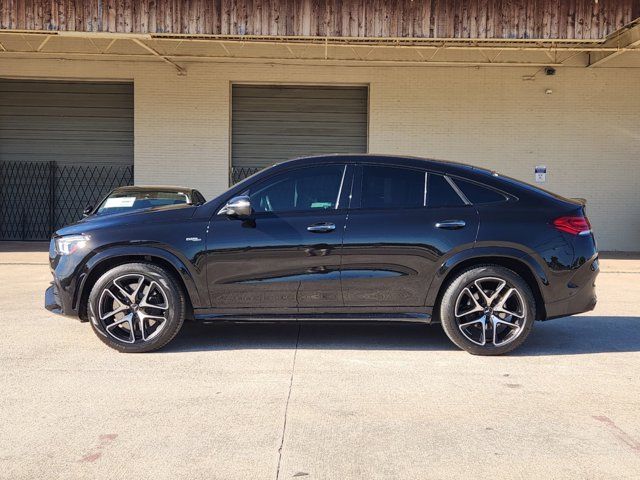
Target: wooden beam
[[181, 70], [279, 60], [44, 42], [627, 39]]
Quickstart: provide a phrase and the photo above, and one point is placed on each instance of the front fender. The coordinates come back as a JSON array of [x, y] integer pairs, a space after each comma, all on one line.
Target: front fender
[[480, 253], [189, 276]]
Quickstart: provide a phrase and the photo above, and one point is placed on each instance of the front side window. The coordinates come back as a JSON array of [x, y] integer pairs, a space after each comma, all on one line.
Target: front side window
[[391, 187], [305, 189]]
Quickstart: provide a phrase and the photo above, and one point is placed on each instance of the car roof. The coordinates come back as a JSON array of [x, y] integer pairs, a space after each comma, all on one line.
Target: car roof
[[405, 160], [152, 188]]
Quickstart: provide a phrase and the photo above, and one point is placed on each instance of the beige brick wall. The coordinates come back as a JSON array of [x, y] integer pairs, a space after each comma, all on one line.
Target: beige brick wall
[[587, 131]]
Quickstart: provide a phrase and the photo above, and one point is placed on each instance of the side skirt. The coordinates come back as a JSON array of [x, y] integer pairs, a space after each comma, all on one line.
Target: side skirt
[[413, 317]]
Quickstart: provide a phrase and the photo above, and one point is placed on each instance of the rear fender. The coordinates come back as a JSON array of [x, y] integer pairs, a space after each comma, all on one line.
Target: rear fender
[[479, 254]]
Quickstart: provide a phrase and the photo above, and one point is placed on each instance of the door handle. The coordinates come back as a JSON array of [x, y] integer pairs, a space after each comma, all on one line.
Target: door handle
[[321, 227], [451, 224]]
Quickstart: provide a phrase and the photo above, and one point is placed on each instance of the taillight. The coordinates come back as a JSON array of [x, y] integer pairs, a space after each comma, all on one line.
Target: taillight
[[575, 225]]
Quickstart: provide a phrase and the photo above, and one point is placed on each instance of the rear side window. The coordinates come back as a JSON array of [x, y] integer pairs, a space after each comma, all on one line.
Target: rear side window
[[441, 194], [391, 187], [478, 194]]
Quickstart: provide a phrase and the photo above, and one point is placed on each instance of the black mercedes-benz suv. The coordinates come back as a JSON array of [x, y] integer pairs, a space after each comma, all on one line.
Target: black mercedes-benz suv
[[339, 237]]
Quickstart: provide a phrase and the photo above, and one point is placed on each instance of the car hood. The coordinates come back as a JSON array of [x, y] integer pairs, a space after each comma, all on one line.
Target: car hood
[[170, 213]]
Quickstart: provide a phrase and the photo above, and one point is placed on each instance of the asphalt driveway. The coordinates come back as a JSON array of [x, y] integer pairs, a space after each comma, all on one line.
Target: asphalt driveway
[[321, 401]]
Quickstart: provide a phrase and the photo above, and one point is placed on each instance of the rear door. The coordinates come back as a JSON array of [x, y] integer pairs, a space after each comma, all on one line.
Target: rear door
[[402, 223]]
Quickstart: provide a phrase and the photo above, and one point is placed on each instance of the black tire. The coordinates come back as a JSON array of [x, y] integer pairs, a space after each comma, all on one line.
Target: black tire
[[123, 336], [455, 292]]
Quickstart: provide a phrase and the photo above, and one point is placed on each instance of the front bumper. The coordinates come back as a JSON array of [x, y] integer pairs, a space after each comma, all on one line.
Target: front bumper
[[55, 304], [51, 299], [60, 296]]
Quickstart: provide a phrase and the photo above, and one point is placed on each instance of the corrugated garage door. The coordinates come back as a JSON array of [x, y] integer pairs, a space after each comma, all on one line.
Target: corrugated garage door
[[63, 145], [275, 123]]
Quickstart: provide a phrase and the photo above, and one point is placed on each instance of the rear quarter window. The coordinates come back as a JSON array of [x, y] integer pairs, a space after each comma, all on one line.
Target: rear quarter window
[[441, 194], [479, 194]]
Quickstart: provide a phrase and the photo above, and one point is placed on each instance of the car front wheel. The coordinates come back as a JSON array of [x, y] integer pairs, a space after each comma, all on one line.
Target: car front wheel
[[136, 307], [487, 310]]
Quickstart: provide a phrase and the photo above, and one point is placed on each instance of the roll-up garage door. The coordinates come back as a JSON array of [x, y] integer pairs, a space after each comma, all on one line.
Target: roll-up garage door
[[63, 145], [271, 124]]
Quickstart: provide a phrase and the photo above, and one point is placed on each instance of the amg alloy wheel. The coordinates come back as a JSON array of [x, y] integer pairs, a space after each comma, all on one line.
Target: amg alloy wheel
[[488, 310], [133, 308], [136, 308]]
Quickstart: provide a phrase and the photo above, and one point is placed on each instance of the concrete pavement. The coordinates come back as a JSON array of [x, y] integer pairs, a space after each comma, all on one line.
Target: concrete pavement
[[321, 401]]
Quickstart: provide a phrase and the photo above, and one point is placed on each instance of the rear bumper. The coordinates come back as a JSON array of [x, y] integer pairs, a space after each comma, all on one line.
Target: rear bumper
[[582, 292]]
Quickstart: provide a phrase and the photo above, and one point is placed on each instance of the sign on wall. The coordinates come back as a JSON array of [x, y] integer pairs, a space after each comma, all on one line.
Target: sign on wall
[[541, 173]]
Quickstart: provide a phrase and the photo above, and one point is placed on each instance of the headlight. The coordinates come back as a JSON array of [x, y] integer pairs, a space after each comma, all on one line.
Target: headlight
[[71, 243]]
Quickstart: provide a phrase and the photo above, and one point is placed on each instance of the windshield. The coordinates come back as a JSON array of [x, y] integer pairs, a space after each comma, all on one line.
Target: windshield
[[120, 202]]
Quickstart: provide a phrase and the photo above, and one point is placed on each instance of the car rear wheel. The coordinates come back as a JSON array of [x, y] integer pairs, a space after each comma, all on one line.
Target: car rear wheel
[[136, 307], [487, 310]]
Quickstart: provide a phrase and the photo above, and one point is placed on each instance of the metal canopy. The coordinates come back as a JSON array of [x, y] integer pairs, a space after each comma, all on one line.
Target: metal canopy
[[179, 50]]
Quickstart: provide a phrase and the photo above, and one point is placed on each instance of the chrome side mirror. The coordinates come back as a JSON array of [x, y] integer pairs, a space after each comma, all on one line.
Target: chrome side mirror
[[87, 210], [237, 207]]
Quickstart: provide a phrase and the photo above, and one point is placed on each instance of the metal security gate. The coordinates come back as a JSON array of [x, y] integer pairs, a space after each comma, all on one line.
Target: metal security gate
[[271, 124], [37, 198], [63, 145]]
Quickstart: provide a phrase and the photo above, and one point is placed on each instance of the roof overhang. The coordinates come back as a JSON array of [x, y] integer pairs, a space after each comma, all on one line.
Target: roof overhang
[[180, 50]]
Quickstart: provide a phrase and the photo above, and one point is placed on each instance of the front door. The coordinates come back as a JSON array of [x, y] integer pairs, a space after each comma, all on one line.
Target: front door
[[287, 254], [403, 222]]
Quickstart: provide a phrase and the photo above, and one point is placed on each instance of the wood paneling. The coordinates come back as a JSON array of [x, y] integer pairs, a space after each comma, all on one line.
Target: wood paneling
[[580, 19]]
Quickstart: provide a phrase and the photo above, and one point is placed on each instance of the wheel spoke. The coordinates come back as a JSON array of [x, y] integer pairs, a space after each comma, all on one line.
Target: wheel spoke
[[143, 317], [151, 317], [126, 319], [141, 321], [114, 312], [134, 295], [122, 291], [497, 321], [144, 303], [501, 308], [468, 324], [497, 292], [476, 308], [490, 299], [122, 308], [481, 292], [483, 326]]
